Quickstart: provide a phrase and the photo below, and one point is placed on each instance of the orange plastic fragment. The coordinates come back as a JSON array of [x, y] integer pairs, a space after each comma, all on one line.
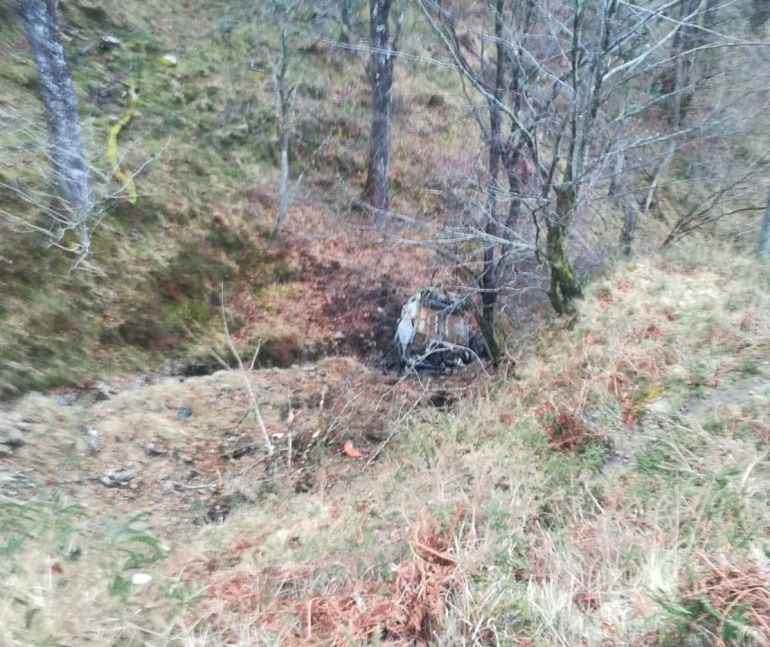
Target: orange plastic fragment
[[350, 451]]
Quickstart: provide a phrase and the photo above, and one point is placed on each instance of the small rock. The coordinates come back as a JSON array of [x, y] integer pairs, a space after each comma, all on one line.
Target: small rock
[[81, 446], [339, 335], [141, 578], [14, 438], [94, 445], [172, 368], [156, 450], [376, 435], [103, 391], [108, 43], [660, 406], [221, 508], [5, 450], [116, 477]]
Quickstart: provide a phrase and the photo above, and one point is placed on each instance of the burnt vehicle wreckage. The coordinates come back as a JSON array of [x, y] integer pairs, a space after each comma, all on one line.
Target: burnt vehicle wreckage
[[435, 333]]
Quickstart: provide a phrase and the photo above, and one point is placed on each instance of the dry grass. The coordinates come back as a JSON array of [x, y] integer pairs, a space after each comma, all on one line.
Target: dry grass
[[296, 603], [728, 603]]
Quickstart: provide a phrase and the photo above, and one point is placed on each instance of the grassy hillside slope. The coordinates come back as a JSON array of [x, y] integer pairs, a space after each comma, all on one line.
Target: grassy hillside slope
[[202, 144], [613, 491]]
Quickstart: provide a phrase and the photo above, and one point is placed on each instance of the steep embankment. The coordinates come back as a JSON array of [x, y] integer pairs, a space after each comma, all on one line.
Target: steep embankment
[[612, 491], [201, 146]]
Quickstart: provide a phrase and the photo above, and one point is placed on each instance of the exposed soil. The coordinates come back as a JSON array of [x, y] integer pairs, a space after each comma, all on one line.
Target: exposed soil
[[189, 450]]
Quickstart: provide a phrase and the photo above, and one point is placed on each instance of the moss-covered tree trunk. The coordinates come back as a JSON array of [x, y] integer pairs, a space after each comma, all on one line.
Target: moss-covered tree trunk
[[564, 287]]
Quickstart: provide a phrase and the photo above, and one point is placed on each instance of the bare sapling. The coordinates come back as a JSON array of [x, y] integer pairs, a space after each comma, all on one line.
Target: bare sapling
[[244, 371]]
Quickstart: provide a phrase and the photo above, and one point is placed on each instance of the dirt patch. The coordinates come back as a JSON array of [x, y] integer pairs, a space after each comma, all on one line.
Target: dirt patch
[[192, 445], [726, 396], [343, 296]]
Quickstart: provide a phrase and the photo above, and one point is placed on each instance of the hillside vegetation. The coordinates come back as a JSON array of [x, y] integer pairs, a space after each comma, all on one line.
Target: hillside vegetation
[[613, 491], [606, 484], [203, 145]]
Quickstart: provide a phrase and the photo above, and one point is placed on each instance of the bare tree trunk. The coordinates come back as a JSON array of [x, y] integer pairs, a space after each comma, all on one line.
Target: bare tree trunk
[[760, 14], [346, 20], [677, 81], [70, 167], [619, 194], [283, 183], [284, 96], [659, 173], [764, 234], [490, 279], [628, 233], [381, 72], [708, 58]]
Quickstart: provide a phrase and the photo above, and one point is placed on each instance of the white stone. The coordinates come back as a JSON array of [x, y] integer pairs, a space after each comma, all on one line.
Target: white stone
[[141, 578]]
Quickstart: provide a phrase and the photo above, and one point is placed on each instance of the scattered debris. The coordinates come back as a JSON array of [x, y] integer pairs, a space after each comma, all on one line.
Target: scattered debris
[[224, 506], [141, 578], [350, 451], [169, 60], [434, 332], [184, 413], [154, 449], [109, 43], [93, 443]]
